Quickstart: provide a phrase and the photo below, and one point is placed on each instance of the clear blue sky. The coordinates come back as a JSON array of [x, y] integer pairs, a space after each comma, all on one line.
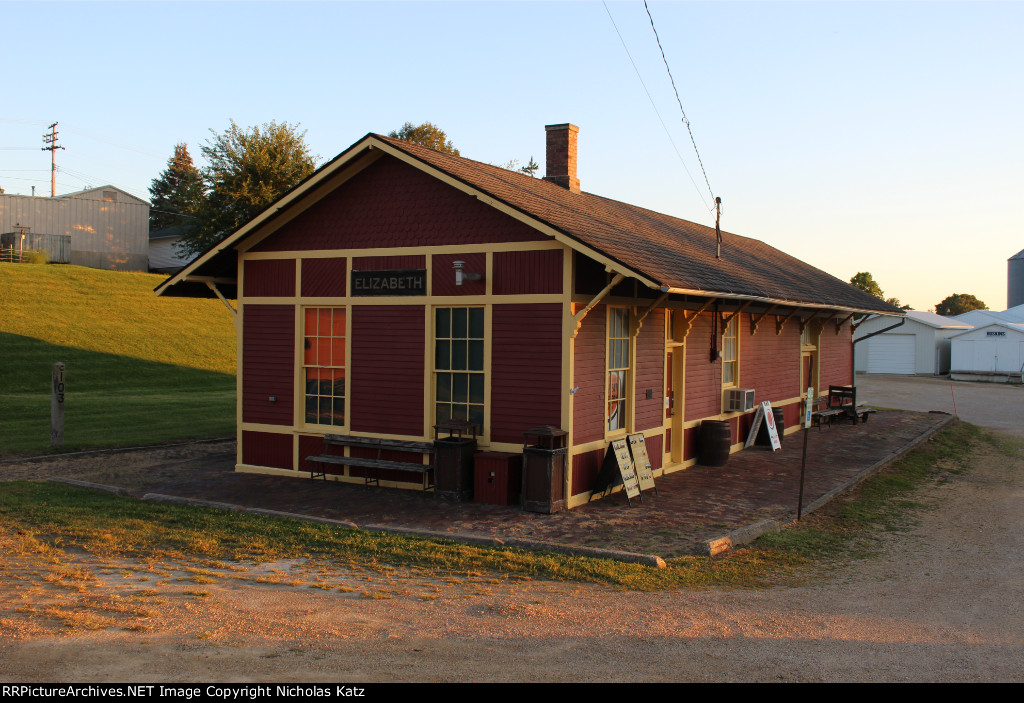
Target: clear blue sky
[[867, 136]]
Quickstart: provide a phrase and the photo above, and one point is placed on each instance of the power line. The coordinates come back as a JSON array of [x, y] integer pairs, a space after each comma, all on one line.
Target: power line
[[656, 112], [678, 100]]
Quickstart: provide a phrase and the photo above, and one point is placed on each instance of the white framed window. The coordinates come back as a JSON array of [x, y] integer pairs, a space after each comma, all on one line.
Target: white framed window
[[617, 390], [731, 353], [459, 365], [323, 365]]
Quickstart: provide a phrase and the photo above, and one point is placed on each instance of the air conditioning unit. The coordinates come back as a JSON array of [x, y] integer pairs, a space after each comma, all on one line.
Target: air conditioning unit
[[740, 400]]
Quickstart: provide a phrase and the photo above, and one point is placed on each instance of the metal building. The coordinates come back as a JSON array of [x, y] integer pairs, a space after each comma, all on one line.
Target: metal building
[[1015, 280], [109, 228], [919, 346]]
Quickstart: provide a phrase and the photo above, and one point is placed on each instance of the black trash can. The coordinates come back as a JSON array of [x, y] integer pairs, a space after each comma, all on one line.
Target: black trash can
[[714, 443], [544, 470], [453, 461]]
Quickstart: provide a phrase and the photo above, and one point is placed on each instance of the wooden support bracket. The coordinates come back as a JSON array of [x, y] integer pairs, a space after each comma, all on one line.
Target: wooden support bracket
[[755, 321], [781, 322], [213, 286], [647, 311], [840, 323], [597, 299], [727, 320]]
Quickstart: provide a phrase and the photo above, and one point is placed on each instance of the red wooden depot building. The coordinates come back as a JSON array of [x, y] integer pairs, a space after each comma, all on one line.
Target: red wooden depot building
[[356, 317]]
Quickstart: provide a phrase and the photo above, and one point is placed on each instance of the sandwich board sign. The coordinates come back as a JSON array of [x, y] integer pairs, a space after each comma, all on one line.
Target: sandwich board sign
[[764, 414], [626, 469], [642, 461]]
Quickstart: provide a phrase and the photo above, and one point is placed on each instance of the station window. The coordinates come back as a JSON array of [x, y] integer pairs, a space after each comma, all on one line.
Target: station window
[[323, 365], [617, 391], [459, 365], [730, 353]]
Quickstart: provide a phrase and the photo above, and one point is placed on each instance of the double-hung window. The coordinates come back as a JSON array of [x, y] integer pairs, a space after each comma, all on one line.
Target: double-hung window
[[730, 353], [323, 365], [617, 391], [459, 365]]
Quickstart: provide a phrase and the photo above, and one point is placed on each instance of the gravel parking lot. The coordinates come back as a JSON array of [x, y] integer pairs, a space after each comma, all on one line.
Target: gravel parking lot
[[994, 405]]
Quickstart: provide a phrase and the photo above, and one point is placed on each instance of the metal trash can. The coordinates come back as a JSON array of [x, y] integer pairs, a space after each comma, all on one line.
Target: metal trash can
[[453, 461], [544, 470]]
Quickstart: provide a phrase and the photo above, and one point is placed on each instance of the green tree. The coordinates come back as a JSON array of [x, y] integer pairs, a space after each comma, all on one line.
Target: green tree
[[866, 282], [247, 170], [427, 134], [959, 303], [177, 194]]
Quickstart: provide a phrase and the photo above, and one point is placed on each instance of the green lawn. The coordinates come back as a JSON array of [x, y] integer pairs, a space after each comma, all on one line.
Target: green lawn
[[139, 369]]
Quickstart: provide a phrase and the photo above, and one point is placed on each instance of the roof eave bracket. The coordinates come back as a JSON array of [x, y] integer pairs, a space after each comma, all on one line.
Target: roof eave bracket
[[213, 286], [616, 280]]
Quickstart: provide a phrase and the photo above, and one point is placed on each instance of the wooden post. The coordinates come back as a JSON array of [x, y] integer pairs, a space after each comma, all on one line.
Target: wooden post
[[57, 406]]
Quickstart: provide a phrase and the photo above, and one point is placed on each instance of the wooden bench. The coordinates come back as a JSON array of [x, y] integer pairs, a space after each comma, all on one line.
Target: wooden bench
[[844, 398], [372, 467]]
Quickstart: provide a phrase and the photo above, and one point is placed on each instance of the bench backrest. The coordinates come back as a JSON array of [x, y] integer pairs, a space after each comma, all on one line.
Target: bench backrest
[[841, 395]]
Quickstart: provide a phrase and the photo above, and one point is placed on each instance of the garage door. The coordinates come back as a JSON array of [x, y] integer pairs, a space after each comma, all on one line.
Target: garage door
[[891, 353]]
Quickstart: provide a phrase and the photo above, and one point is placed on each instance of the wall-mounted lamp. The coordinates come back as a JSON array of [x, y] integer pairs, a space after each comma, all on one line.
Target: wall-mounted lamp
[[461, 275]]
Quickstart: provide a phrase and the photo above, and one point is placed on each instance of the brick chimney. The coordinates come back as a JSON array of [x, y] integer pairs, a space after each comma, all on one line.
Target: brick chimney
[[561, 156]]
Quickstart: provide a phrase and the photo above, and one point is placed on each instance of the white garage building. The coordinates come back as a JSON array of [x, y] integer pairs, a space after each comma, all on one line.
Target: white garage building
[[919, 346], [994, 352]]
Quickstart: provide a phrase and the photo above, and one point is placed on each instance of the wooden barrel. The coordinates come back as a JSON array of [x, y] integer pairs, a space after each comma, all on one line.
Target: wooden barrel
[[715, 440], [780, 425]]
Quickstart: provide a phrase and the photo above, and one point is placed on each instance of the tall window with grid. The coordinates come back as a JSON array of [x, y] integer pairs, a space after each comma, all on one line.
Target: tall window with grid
[[459, 365], [617, 392], [323, 365], [730, 353]]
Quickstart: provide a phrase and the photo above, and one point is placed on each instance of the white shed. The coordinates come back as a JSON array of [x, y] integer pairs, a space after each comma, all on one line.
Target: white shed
[[919, 346], [994, 352]]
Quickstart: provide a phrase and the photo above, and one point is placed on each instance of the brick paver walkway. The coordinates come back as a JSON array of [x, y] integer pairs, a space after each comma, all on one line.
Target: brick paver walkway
[[691, 506]]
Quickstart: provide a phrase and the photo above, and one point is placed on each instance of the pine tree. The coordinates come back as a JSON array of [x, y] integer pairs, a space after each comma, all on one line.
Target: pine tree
[[177, 193]]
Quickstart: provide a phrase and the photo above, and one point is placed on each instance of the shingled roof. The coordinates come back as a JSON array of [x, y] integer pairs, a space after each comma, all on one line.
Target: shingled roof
[[669, 253], [674, 253]]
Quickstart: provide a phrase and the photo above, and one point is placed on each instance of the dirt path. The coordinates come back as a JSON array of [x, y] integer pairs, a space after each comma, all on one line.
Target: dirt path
[[943, 603]]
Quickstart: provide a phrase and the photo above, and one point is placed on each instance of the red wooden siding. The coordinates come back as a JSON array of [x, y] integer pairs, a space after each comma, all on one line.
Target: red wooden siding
[[589, 367], [270, 278], [770, 363], [443, 279], [384, 263], [392, 204], [654, 450], [267, 449], [324, 278], [703, 378], [526, 369], [585, 468], [387, 369], [649, 371], [268, 359], [313, 445], [835, 354], [691, 438], [527, 272]]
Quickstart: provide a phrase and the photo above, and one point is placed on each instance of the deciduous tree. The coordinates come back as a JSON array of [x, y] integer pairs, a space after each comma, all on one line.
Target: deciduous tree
[[427, 134], [866, 282], [959, 303], [177, 194], [247, 170]]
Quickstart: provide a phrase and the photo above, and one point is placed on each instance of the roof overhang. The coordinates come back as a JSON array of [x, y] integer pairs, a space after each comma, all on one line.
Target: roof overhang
[[778, 301]]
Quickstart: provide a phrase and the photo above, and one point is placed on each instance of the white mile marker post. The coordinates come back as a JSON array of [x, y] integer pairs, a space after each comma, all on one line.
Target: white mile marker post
[[57, 405]]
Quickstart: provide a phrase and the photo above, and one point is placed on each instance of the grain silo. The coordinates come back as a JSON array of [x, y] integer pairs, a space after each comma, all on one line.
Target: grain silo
[[1015, 280]]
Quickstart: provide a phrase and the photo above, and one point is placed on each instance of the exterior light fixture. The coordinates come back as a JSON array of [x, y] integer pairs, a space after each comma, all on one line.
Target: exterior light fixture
[[461, 275]]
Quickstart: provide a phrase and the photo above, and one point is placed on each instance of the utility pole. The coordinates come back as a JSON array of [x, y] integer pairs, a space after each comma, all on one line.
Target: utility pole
[[51, 146]]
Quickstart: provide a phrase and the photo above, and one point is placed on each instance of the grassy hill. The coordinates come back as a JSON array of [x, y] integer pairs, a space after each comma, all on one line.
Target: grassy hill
[[139, 369]]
